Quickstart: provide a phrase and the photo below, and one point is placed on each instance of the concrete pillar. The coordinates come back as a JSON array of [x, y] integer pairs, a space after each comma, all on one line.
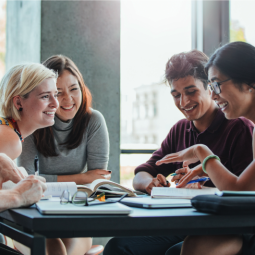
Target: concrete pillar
[[86, 31]]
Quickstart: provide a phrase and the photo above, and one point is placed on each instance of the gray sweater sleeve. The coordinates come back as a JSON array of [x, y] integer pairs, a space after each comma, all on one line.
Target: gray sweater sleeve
[[93, 152], [26, 159], [97, 142]]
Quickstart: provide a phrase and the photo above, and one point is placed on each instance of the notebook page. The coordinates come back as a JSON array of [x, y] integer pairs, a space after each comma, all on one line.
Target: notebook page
[[165, 192], [56, 188]]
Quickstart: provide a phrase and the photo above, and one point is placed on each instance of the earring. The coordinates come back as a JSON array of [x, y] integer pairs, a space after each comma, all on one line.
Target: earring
[[20, 109], [250, 90]]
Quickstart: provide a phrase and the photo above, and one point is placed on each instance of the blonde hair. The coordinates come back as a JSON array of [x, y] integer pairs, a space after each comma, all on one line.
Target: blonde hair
[[20, 80]]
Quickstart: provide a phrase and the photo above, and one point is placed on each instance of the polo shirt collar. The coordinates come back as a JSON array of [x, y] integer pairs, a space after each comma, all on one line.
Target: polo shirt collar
[[219, 118]]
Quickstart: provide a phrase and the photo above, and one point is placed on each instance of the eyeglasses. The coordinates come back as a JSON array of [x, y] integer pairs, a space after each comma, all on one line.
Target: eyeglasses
[[215, 86], [80, 198]]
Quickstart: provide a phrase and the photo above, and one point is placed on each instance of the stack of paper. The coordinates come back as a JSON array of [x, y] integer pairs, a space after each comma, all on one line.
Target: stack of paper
[[165, 192]]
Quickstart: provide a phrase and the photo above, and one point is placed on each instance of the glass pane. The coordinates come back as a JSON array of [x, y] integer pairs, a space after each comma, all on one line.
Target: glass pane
[[151, 32], [128, 165], [2, 37], [241, 23]]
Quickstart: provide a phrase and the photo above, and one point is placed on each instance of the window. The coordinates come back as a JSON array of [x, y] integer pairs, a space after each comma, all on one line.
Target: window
[[2, 37], [151, 32], [241, 23]]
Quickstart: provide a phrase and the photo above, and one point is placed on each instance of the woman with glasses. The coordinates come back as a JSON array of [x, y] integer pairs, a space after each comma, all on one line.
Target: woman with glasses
[[76, 147], [231, 74]]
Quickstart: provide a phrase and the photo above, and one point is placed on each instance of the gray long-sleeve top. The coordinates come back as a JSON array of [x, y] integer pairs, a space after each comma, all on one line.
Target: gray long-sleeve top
[[92, 153]]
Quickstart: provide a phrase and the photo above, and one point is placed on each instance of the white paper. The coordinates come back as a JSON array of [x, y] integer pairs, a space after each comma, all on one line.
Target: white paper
[[56, 188], [164, 192]]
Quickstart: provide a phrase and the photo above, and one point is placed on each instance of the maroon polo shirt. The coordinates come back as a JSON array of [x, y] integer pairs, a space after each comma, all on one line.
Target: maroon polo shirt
[[231, 140]]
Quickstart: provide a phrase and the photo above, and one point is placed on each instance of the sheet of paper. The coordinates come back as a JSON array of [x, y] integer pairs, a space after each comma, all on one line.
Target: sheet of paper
[[56, 188], [164, 192]]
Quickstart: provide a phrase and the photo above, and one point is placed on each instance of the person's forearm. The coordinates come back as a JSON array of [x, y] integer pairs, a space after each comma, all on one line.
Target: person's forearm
[[84, 178], [222, 178], [9, 199], [141, 181], [70, 178]]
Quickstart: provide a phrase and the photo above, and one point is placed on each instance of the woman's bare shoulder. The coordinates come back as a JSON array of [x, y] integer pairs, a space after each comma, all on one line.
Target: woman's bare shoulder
[[10, 143]]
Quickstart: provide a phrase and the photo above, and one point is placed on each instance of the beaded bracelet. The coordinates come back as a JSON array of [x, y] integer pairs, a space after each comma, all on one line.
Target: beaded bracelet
[[205, 160]]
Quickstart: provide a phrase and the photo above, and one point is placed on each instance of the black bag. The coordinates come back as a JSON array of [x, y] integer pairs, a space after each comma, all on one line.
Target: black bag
[[224, 205]]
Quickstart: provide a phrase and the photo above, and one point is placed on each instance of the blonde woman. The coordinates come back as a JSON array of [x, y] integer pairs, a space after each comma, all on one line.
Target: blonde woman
[[28, 102]]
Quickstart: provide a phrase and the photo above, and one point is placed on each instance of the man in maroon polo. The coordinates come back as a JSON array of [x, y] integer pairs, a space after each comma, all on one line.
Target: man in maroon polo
[[231, 140]]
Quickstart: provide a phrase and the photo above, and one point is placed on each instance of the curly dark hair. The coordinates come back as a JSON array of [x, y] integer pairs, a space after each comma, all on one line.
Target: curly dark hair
[[187, 63]]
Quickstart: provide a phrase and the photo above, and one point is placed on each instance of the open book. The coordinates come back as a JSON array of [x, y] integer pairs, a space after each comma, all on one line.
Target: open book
[[165, 192], [56, 189], [109, 187]]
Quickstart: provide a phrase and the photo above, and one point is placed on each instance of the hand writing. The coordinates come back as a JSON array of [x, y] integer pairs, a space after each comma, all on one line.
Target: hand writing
[[180, 173], [159, 181], [192, 174], [9, 171], [29, 190]]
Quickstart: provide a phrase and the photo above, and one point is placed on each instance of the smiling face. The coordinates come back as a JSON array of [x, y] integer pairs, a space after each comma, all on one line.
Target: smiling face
[[232, 101], [69, 96], [191, 98], [40, 106]]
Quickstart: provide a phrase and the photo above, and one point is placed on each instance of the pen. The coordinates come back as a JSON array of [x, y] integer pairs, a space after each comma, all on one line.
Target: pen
[[199, 180], [36, 165], [167, 182], [174, 174]]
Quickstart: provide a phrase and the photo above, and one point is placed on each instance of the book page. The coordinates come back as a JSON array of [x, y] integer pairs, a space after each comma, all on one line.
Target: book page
[[103, 182], [85, 188], [158, 192], [56, 188], [99, 182]]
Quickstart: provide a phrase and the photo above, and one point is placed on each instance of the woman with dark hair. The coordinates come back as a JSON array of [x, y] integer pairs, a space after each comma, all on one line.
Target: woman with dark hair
[[76, 148], [231, 74]]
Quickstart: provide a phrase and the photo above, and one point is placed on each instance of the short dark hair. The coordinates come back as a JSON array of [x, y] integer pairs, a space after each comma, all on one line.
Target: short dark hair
[[236, 60], [187, 63]]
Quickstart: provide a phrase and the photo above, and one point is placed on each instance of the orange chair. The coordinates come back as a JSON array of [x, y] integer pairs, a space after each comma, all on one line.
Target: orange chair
[[95, 250]]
